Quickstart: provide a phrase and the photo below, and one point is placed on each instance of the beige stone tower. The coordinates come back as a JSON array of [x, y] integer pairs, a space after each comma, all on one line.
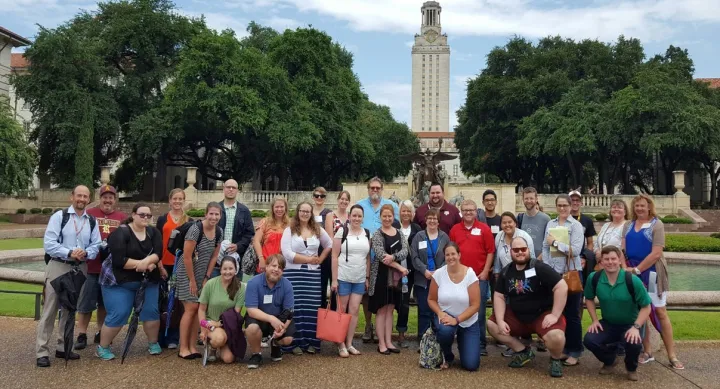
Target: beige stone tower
[[431, 74]]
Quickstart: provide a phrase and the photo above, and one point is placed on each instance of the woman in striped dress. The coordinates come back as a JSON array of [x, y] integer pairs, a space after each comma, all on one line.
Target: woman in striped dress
[[202, 240], [300, 244]]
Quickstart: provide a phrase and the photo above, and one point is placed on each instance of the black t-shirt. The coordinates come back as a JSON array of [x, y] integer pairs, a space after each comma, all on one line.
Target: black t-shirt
[[588, 226], [528, 297], [123, 244], [493, 221]]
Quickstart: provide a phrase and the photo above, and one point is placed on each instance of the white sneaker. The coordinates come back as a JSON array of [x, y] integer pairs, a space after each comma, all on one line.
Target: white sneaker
[[172, 346], [264, 342]]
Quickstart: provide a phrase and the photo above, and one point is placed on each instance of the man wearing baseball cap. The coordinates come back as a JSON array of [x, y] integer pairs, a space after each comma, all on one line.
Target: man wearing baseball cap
[[108, 220]]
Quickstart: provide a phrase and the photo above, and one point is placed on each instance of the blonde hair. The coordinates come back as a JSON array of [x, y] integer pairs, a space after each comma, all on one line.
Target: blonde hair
[[346, 193], [184, 218], [651, 205], [409, 205], [320, 190], [271, 221]]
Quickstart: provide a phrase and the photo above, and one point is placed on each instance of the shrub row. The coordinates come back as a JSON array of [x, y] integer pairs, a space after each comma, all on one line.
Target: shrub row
[[691, 243]]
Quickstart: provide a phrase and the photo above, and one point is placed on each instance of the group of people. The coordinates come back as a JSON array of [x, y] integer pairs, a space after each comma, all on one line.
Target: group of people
[[374, 254]]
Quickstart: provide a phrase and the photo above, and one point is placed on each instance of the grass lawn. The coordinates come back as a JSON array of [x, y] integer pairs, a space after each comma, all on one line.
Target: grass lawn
[[21, 243], [18, 305]]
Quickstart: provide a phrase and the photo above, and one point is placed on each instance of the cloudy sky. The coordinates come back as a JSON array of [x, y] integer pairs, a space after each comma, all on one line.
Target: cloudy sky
[[380, 32]]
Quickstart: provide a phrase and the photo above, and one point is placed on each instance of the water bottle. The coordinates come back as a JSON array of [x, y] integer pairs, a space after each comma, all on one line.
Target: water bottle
[[404, 284]]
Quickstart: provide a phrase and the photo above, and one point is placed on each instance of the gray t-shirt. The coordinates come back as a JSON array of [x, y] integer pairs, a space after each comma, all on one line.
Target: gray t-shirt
[[535, 227]]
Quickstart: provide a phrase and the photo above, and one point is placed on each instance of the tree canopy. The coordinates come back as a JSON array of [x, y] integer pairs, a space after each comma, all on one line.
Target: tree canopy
[[19, 159]]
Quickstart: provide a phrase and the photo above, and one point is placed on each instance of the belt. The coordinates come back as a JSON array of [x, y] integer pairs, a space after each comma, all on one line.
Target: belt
[[67, 262]]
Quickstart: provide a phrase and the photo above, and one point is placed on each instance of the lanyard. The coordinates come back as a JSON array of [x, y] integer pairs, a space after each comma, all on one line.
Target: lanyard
[[78, 231]]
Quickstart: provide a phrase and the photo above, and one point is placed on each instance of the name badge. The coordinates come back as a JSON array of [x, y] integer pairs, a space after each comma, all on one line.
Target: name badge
[[394, 243], [267, 299], [495, 229], [447, 213], [422, 245], [318, 219], [313, 241], [646, 225], [529, 273], [475, 231]]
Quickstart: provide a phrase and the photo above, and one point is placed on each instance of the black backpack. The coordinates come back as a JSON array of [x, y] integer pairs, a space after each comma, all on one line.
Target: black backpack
[[176, 242], [628, 283], [520, 219], [65, 220], [346, 230]]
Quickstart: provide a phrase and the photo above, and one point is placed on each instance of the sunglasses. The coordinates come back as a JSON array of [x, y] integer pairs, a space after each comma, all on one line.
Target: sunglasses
[[319, 196], [145, 215], [518, 250], [375, 188]]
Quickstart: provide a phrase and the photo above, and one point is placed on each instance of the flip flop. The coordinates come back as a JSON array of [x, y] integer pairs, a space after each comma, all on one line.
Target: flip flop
[[645, 358], [565, 362], [676, 364]]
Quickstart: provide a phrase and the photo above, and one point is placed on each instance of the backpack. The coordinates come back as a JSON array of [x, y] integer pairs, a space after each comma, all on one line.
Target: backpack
[[431, 356], [346, 230], [176, 242], [628, 283], [65, 220], [520, 219]]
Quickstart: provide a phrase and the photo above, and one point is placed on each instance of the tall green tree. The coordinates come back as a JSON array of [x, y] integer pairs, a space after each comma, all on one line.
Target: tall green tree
[[19, 159]]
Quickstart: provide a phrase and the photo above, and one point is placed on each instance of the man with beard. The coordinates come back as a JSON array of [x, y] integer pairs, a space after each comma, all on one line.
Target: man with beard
[[108, 220], [236, 223], [72, 236], [536, 297], [533, 221], [269, 302], [449, 214]]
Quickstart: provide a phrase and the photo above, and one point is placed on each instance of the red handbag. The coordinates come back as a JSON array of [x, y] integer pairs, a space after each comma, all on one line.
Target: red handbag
[[332, 326]]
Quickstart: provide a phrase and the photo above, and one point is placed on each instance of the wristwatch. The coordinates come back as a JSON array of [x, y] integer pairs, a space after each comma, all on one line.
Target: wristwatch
[[555, 243], [636, 271], [636, 326]]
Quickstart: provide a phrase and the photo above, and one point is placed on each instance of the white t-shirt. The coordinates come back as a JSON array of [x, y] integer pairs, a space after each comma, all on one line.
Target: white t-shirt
[[352, 265], [454, 298]]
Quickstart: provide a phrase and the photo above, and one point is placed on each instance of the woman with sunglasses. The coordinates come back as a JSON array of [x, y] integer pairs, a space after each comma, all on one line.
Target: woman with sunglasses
[[558, 259], [200, 253], [136, 247], [320, 214]]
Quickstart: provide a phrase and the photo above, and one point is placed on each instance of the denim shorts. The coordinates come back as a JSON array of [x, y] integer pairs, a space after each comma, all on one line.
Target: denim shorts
[[347, 288], [119, 303], [90, 295]]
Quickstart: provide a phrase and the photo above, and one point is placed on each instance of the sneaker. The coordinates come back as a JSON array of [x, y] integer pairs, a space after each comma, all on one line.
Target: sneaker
[[297, 351], [556, 368], [483, 353], [508, 352], [104, 353], [522, 358], [172, 346], [275, 352], [154, 348], [96, 339], [311, 350], [264, 342], [255, 361], [541, 346], [632, 376], [81, 342], [368, 335]]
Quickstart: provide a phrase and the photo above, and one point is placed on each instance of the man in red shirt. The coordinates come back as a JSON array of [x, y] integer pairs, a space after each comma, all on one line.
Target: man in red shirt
[[108, 220], [477, 250], [449, 214]]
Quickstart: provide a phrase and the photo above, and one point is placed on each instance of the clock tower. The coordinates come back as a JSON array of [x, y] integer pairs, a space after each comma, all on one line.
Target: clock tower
[[431, 73]]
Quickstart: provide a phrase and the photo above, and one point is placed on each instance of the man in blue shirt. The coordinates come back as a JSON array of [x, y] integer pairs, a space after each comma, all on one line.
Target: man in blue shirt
[[371, 205], [269, 301], [67, 246]]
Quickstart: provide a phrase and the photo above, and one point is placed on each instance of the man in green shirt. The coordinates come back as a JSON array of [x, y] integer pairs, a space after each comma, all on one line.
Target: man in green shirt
[[625, 307]]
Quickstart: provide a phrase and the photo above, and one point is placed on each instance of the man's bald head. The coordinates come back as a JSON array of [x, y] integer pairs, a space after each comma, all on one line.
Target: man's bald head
[[230, 190], [80, 198]]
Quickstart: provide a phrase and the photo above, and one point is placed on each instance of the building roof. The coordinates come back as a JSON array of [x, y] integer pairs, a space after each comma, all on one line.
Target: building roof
[[429, 134], [18, 61], [714, 82], [15, 39]]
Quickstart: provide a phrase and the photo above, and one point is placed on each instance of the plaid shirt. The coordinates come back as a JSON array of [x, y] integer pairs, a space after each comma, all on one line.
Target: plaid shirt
[[230, 221]]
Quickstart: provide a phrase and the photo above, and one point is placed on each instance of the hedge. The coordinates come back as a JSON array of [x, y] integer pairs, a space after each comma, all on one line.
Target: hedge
[[199, 212], [21, 211], [552, 215], [47, 211], [601, 217], [35, 211], [691, 243], [258, 213], [715, 235], [672, 219]]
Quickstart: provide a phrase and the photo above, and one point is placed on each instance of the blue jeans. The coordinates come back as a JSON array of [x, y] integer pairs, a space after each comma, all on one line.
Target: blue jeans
[[484, 289], [573, 329], [604, 345], [425, 314], [468, 340]]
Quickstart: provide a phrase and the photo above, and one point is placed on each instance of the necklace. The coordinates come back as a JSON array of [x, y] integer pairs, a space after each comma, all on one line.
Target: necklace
[[175, 219]]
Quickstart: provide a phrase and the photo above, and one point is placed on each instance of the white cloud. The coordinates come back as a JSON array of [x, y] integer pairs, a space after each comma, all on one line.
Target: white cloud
[[281, 24], [220, 21], [603, 19], [395, 95]]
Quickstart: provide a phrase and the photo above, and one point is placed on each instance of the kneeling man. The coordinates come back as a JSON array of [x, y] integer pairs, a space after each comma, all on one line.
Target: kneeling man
[[535, 297], [269, 302], [625, 307]]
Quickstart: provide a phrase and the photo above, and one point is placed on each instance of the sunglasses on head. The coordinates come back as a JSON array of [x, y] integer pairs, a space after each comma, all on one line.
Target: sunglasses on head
[[319, 196], [145, 215], [518, 250]]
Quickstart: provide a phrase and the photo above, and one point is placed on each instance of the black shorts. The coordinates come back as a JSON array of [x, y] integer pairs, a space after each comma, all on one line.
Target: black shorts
[[267, 329]]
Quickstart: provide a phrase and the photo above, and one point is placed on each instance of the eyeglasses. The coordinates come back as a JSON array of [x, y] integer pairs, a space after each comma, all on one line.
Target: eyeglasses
[[145, 215], [518, 250], [490, 200], [468, 210], [231, 187], [319, 196], [375, 188], [562, 205], [304, 212]]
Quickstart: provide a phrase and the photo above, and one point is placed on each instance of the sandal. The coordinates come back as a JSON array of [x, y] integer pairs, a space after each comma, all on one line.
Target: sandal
[[676, 364], [343, 352], [566, 363], [353, 351], [645, 358]]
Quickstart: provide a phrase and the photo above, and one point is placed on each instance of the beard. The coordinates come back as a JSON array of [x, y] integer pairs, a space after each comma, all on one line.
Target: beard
[[374, 197], [521, 261]]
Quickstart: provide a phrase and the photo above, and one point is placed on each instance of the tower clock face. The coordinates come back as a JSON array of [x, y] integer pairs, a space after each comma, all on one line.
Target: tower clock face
[[431, 35]]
